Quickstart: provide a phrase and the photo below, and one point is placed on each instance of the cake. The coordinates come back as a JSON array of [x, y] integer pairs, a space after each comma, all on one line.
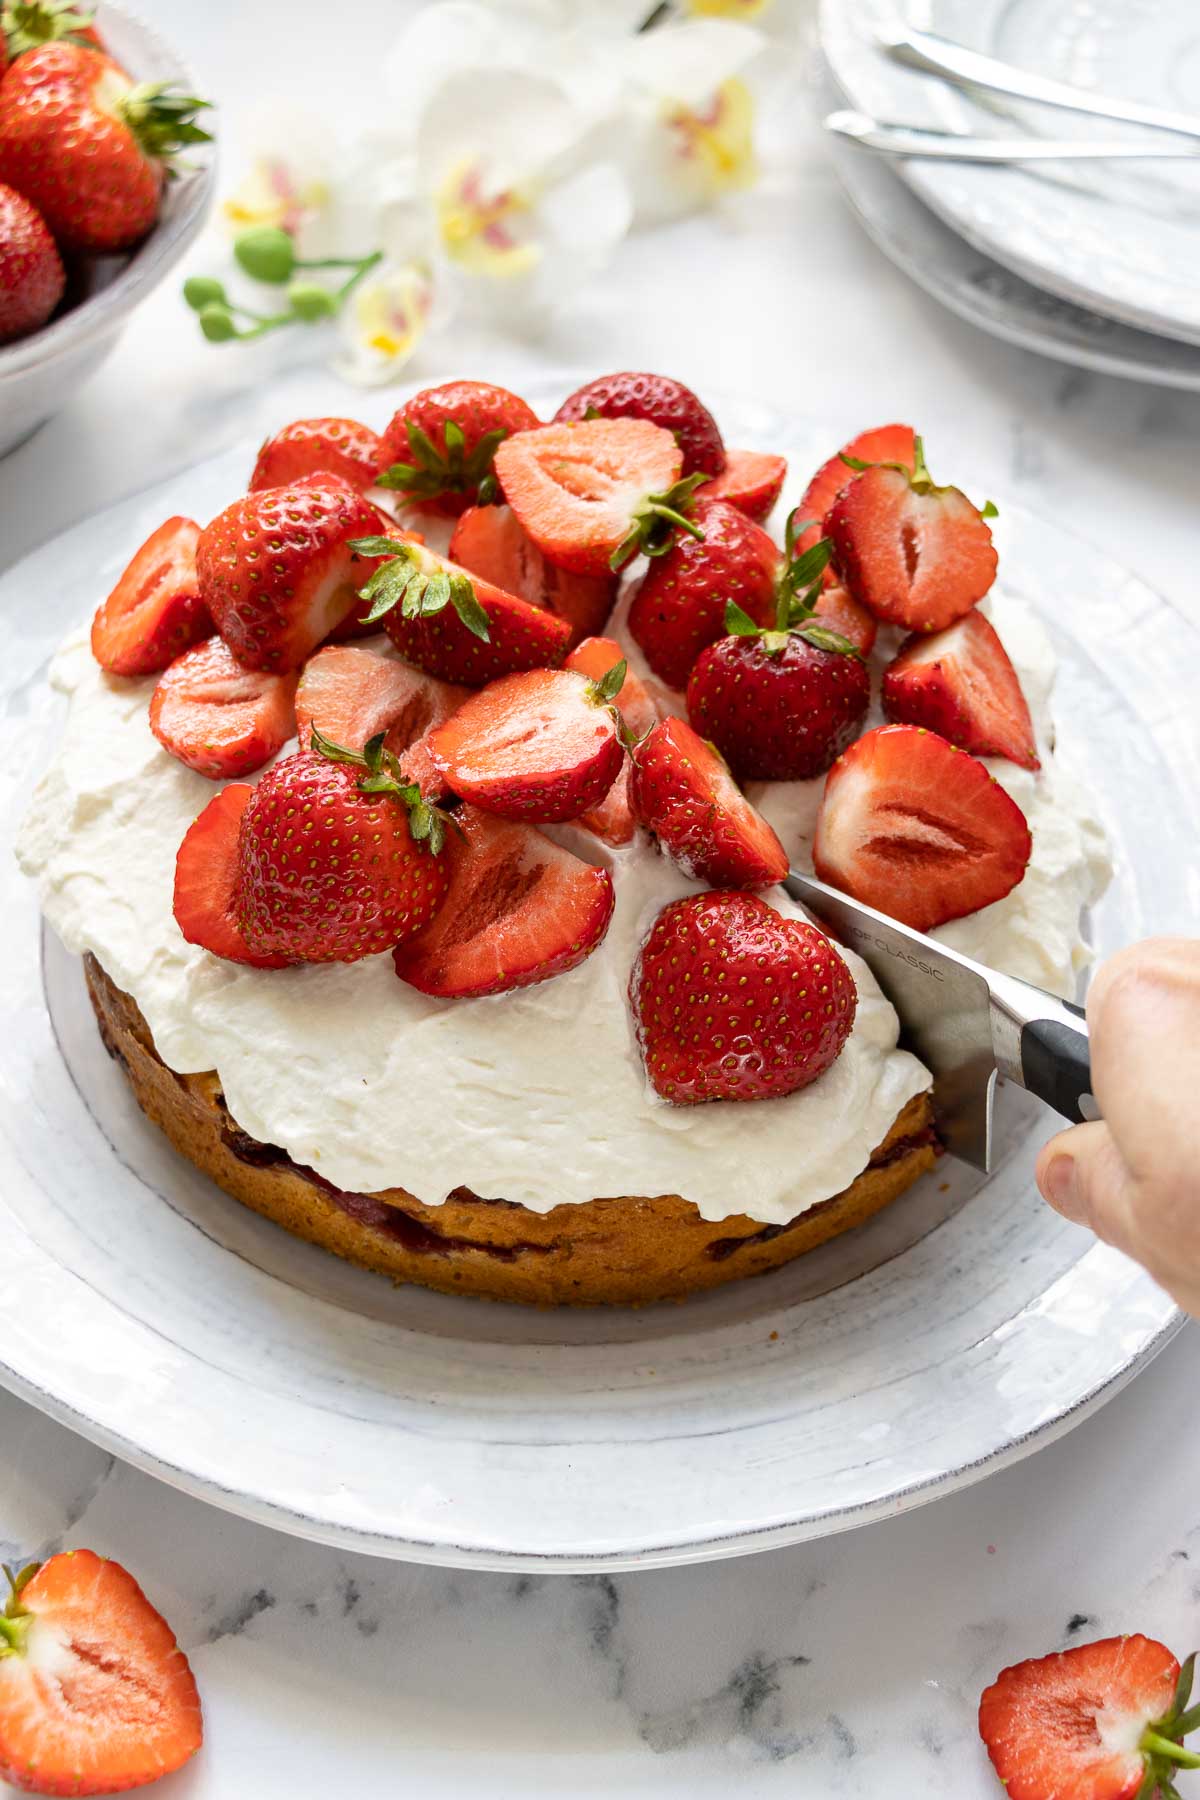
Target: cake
[[512, 1144]]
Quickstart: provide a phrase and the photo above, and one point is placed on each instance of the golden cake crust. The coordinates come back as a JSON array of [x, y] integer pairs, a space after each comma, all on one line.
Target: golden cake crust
[[625, 1251]]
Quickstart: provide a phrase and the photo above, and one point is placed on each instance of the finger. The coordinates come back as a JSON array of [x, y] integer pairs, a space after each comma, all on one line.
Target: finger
[[1084, 1177], [1143, 1014]]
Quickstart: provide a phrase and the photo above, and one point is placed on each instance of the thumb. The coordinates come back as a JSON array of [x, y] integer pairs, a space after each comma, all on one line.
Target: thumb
[[1083, 1176]]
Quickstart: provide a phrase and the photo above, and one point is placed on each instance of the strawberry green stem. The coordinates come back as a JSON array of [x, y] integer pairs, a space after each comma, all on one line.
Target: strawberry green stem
[[1154, 1745]]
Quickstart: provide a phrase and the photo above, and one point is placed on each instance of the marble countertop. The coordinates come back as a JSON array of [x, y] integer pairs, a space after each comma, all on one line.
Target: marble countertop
[[846, 1667]]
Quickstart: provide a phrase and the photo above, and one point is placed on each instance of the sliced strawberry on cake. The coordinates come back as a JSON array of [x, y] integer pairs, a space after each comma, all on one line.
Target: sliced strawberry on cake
[[156, 611], [592, 495], [879, 444], [732, 1001], [319, 446], [542, 746], [351, 695], [961, 684], [490, 541], [451, 623], [614, 819], [636, 394], [918, 829], [217, 717], [206, 880], [519, 909], [752, 480], [685, 795], [439, 448]]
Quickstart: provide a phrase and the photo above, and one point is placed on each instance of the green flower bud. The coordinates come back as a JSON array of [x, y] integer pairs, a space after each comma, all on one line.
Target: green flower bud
[[201, 290], [309, 301], [216, 322], [266, 253]]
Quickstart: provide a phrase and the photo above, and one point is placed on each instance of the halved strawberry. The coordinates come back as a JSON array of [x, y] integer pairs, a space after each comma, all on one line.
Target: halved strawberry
[[519, 909], [206, 880], [155, 611], [218, 718], [881, 443], [752, 480], [914, 553], [614, 820], [960, 683], [451, 623], [489, 541], [836, 609], [685, 795], [315, 446], [918, 829], [350, 694], [1100, 1721], [417, 765], [594, 493], [95, 1694]]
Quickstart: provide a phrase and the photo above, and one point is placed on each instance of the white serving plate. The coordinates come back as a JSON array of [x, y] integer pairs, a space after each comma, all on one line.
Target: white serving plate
[[1122, 240], [953, 1335]]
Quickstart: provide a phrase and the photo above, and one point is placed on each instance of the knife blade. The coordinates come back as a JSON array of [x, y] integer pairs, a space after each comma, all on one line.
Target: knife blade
[[968, 1024]]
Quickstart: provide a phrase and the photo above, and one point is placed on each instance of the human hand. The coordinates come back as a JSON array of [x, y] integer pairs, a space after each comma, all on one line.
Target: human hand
[[1135, 1178]]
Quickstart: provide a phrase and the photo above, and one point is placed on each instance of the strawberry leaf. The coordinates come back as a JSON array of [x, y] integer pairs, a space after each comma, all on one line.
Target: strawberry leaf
[[738, 622], [822, 638], [989, 510], [462, 594], [793, 530], [611, 682]]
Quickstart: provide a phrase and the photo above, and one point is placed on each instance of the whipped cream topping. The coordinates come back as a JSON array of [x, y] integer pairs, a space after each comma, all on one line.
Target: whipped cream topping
[[536, 1096]]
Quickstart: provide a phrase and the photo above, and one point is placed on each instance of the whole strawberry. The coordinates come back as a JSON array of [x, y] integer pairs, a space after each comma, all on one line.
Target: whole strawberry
[[679, 608], [780, 704], [732, 1001], [338, 857], [87, 147], [32, 277], [438, 449], [276, 570], [632, 394]]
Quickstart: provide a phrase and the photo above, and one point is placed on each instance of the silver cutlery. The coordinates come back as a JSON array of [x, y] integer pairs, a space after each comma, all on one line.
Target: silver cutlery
[[935, 55], [951, 146]]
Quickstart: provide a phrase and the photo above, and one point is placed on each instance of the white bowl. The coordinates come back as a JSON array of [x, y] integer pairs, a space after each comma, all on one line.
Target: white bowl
[[38, 374]]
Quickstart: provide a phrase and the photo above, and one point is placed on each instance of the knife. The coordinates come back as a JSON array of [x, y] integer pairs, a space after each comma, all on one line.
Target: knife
[[967, 1023]]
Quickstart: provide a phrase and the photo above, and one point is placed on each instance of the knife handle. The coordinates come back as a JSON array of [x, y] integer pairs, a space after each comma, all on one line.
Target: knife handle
[[1056, 1063]]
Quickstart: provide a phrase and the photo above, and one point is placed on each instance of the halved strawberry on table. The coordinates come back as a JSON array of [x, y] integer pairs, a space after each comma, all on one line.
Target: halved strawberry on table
[[155, 611], [542, 746], [519, 909], [276, 569], [451, 623], [880, 443], [913, 553], [637, 394], [592, 495], [490, 541], [217, 717], [733, 1001], [961, 684], [614, 820], [683, 792], [96, 1697], [319, 446], [918, 829], [752, 480], [1100, 1721], [439, 447]]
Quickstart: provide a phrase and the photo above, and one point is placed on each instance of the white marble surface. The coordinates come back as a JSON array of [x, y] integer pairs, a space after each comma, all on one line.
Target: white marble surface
[[850, 1667]]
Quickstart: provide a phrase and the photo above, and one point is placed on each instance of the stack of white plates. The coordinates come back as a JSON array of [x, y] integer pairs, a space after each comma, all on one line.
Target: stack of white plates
[[1097, 263]]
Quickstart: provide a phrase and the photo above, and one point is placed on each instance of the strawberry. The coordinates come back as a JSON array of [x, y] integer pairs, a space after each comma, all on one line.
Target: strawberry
[[882, 443], [452, 624], [155, 612], [418, 767], [206, 880], [218, 718], [679, 609], [731, 1001], [351, 695], [961, 684], [836, 609], [95, 1694], [438, 449], [87, 147], [684, 794], [916, 554], [780, 704], [614, 820], [277, 571], [489, 541], [338, 857], [591, 495], [32, 277], [542, 746], [318, 446], [1100, 1721], [918, 829], [666, 403], [751, 480], [519, 909]]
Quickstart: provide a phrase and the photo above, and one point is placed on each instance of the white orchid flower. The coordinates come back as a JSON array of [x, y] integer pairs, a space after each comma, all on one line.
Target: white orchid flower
[[289, 180], [384, 322]]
